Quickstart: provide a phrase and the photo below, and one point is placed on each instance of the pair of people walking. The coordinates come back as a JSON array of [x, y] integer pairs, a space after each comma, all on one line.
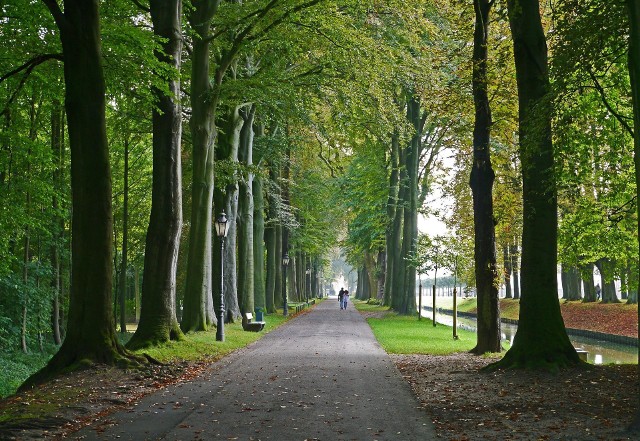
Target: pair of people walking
[[343, 298]]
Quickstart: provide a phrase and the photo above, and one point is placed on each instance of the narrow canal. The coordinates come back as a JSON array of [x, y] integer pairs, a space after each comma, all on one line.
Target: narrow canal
[[599, 352]]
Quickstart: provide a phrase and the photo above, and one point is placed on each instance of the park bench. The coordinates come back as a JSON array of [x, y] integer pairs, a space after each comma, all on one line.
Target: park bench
[[249, 325], [582, 353]]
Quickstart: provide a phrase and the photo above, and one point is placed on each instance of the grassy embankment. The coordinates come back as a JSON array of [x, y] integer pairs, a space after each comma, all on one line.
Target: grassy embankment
[[407, 335], [199, 346], [610, 318]]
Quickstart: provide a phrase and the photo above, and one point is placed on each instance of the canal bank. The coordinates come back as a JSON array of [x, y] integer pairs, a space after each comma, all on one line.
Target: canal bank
[[602, 348]]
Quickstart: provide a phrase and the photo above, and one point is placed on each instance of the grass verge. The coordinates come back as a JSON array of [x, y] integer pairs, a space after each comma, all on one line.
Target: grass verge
[[199, 346], [400, 334]]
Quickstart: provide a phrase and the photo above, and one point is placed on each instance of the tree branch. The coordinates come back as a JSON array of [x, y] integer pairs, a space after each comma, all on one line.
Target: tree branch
[[56, 12], [603, 96], [283, 17], [28, 68], [141, 6], [29, 65]]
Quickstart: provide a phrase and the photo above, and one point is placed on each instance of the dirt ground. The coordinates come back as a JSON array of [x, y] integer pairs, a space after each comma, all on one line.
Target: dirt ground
[[468, 404]]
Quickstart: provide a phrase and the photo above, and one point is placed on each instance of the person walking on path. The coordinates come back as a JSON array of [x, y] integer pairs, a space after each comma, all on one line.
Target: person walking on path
[[297, 382], [345, 299], [341, 297]]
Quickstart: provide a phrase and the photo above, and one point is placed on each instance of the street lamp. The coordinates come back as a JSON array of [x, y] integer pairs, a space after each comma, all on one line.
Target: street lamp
[[307, 284], [285, 262], [222, 227]]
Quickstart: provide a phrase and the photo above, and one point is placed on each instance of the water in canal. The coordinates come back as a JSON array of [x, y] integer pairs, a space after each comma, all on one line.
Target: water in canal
[[599, 352]]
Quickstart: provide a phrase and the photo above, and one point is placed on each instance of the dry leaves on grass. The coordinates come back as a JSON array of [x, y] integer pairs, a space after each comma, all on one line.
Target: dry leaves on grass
[[71, 401], [468, 404], [618, 318]]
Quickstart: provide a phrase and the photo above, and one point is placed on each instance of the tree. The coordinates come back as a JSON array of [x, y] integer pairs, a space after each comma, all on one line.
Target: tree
[[158, 322], [481, 182], [90, 333], [541, 339], [634, 74]]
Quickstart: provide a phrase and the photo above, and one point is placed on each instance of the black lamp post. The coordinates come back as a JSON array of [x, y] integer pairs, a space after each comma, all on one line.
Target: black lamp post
[[285, 262], [222, 226]]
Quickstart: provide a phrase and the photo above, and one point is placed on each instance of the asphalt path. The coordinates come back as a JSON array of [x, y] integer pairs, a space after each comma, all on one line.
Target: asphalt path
[[320, 376]]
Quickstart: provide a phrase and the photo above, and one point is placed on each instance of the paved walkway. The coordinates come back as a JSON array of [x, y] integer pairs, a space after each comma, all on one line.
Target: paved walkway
[[321, 376]]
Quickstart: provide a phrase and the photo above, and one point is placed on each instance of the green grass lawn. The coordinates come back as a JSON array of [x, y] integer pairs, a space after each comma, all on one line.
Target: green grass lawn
[[201, 345], [407, 335]]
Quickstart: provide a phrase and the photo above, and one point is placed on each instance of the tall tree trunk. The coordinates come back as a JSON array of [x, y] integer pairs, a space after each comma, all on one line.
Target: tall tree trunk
[[633, 8], [259, 291], [279, 255], [507, 271], [541, 339], [157, 320], [392, 206], [513, 252], [125, 238], [259, 286], [380, 271], [370, 268], [204, 101], [632, 273], [57, 228], [605, 266], [90, 333], [398, 273], [272, 267], [245, 216], [564, 279], [25, 282], [410, 219], [574, 284], [588, 284], [481, 182], [624, 285]]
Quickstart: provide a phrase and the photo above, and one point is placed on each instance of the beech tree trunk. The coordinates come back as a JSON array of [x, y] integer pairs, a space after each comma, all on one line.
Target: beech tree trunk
[[158, 322], [541, 338], [90, 333], [407, 303], [245, 216], [507, 272], [204, 101], [587, 284], [57, 143], [391, 232], [125, 239], [513, 252], [481, 182], [633, 8], [605, 266], [259, 287]]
